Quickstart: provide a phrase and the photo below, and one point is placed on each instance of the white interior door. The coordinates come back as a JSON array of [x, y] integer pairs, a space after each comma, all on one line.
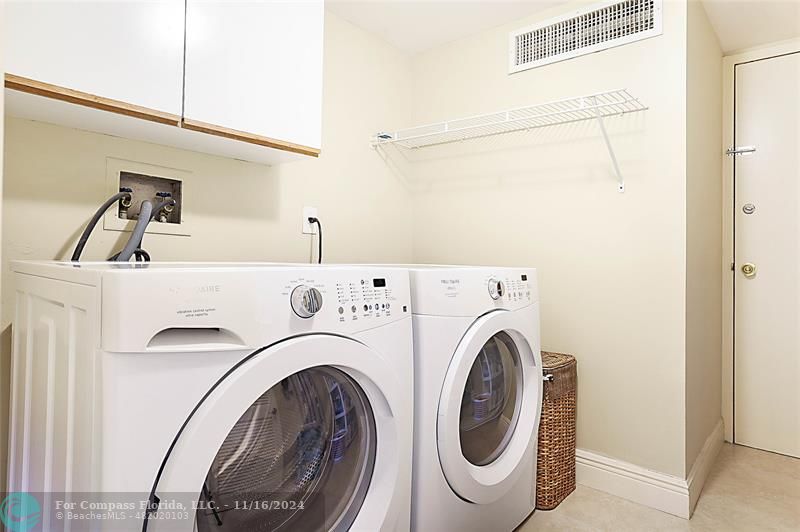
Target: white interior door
[[767, 244]]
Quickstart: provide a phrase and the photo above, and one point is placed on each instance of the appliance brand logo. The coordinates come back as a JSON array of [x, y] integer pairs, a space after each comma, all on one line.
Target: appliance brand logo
[[210, 289]]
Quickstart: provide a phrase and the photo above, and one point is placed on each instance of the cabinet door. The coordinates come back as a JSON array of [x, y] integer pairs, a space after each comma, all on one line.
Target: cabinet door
[[130, 51], [254, 71]]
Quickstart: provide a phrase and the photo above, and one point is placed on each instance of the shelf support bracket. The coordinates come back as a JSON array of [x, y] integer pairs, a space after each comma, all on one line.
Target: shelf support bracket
[[620, 180]]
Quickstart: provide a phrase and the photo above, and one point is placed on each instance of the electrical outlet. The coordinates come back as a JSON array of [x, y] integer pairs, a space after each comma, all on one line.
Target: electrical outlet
[[309, 212]]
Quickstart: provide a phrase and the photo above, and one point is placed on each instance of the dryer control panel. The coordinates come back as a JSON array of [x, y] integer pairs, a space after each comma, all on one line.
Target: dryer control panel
[[471, 291], [518, 289]]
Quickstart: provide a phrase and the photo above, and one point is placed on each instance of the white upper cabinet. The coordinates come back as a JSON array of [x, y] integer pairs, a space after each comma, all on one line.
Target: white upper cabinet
[[129, 51], [253, 71], [235, 78]]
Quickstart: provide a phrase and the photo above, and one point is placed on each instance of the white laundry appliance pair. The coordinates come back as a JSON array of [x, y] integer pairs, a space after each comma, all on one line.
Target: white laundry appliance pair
[[267, 397], [205, 397]]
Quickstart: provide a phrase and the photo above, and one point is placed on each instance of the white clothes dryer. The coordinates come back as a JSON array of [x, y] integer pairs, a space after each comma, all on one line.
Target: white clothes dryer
[[224, 397], [478, 396]]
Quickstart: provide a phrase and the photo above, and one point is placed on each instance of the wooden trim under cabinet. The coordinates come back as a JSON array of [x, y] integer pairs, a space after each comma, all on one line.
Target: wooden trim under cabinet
[[47, 90], [39, 88], [251, 138]]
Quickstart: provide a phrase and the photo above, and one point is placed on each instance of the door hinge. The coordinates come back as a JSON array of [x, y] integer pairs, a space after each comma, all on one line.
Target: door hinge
[[733, 266], [740, 150]]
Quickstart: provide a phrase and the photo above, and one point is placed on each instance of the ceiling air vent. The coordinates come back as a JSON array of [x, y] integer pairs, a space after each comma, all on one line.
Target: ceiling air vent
[[586, 31]]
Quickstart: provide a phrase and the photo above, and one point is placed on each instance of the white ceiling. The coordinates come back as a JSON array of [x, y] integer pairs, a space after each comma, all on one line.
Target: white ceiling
[[414, 26], [744, 24], [417, 25]]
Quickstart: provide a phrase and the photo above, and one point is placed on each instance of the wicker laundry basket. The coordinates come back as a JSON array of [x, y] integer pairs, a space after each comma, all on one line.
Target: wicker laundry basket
[[555, 466]]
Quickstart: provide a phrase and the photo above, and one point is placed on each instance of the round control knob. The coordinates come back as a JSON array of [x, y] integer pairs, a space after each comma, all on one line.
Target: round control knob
[[497, 289], [306, 301]]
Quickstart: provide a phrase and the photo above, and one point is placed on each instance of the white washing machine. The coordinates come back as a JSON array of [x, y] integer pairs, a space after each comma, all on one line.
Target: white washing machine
[[225, 397], [478, 388]]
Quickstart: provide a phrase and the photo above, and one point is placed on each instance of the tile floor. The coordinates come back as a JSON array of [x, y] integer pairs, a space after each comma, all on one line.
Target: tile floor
[[747, 490]]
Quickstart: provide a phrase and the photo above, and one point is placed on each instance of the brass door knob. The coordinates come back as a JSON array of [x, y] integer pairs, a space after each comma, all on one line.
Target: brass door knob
[[749, 269]]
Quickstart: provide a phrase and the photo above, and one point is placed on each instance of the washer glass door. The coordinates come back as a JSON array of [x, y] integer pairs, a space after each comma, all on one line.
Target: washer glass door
[[298, 436], [300, 458]]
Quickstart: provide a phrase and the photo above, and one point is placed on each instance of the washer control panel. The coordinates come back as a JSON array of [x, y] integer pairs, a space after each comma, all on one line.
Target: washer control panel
[[497, 288], [247, 305], [364, 299], [306, 301], [356, 299]]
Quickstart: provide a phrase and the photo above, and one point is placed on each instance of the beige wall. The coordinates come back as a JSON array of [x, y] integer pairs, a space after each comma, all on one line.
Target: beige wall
[[703, 232], [611, 266]]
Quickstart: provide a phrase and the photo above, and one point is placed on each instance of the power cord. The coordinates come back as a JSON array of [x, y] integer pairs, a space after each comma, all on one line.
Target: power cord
[[313, 220]]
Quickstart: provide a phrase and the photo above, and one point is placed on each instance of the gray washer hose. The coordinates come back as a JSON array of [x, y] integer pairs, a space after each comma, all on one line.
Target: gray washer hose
[[158, 208], [137, 235]]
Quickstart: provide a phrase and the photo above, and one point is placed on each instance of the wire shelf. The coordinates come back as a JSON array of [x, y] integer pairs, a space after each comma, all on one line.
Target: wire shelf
[[591, 107], [602, 105]]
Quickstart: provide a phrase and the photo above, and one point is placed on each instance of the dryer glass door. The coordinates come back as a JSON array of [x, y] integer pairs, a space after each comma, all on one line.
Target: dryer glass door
[[300, 458], [489, 406]]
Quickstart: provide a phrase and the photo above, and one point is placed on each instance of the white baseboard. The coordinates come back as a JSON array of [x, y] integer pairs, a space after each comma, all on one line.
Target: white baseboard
[[670, 494], [702, 465], [643, 486]]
